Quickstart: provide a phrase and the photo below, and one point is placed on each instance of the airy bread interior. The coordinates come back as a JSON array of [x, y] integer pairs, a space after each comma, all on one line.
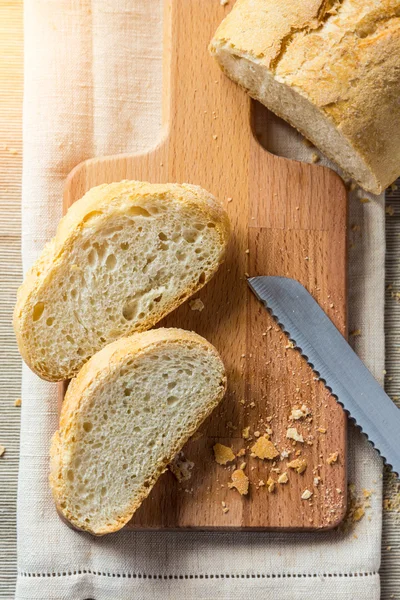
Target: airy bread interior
[[123, 267], [123, 423], [286, 102]]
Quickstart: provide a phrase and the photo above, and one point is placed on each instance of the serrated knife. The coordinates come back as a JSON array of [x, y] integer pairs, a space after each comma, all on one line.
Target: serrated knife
[[333, 361]]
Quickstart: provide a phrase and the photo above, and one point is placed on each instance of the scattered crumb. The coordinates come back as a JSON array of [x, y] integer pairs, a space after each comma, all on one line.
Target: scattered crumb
[[317, 481], [306, 495], [261, 483], [247, 251], [293, 434], [393, 187], [356, 509], [18, 402], [271, 483], [332, 458], [307, 143], [321, 430], [240, 481], [284, 454], [241, 452], [246, 433], [242, 466], [196, 304], [264, 449], [229, 199], [355, 332], [225, 509], [11, 150], [223, 454], [223, 2], [299, 465], [181, 468], [257, 434], [364, 200], [2, 450], [215, 137], [389, 210], [315, 158], [283, 478], [252, 404], [299, 413]]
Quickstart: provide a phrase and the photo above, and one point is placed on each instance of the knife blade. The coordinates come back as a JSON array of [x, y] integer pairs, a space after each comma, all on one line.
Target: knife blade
[[333, 361]]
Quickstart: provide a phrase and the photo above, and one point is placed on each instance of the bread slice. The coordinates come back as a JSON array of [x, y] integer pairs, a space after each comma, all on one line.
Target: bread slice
[[329, 68], [125, 416], [124, 256]]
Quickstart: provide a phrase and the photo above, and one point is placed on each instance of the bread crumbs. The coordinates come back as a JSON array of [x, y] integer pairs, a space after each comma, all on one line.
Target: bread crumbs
[[389, 210], [271, 483], [181, 467], [355, 332], [2, 450], [196, 304], [299, 465], [18, 402], [241, 452], [264, 449], [299, 413], [332, 458], [246, 433], [240, 481], [223, 454], [293, 434], [283, 478], [306, 495]]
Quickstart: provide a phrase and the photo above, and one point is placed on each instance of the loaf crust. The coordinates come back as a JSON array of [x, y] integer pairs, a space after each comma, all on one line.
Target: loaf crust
[[100, 369], [78, 219], [342, 57]]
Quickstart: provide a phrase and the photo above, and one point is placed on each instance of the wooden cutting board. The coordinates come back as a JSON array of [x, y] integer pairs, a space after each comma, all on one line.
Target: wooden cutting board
[[288, 219]]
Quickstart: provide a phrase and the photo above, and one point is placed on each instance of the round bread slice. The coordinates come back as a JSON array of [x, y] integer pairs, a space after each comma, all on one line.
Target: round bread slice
[[124, 418], [124, 256]]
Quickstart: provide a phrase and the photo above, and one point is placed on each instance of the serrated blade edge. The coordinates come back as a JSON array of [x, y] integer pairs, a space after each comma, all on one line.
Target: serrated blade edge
[[333, 361]]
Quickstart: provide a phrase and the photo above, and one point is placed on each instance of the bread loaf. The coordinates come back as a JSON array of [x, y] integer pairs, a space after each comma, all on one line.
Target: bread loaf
[[124, 256], [125, 416], [331, 68]]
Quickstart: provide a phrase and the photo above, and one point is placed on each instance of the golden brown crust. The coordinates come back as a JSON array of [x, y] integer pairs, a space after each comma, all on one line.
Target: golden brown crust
[[342, 56], [69, 229], [98, 369]]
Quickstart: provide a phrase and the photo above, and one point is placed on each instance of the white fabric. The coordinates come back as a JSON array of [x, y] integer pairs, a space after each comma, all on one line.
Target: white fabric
[[93, 87]]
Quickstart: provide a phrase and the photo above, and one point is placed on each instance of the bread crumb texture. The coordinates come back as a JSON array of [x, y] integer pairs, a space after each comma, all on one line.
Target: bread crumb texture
[[332, 458], [124, 256], [240, 481], [124, 418], [264, 449], [196, 304], [2, 450], [223, 454], [181, 467], [298, 464]]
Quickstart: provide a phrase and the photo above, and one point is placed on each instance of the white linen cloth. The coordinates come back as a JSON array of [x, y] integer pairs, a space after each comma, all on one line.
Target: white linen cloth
[[93, 87]]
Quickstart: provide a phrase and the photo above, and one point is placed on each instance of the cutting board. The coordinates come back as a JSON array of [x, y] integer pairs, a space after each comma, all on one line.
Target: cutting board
[[288, 218]]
